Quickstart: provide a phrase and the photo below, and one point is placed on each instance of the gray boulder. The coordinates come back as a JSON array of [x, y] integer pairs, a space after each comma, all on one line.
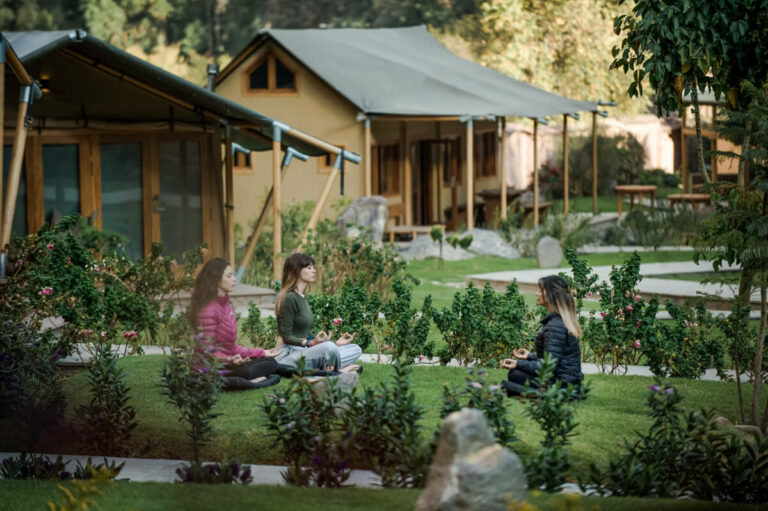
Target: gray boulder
[[470, 470], [344, 382], [423, 247], [487, 242], [366, 215], [548, 252]]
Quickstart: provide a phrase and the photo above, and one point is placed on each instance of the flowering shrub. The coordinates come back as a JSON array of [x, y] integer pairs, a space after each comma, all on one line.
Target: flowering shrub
[[489, 399], [552, 409], [107, 420], [259, 332], [225, 472], [686, 347], [37, 466], [192, 379], [406, 329], [482, 326], [685, 453]]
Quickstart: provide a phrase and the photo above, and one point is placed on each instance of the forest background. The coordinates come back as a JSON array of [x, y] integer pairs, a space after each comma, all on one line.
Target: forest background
[[563, 46]]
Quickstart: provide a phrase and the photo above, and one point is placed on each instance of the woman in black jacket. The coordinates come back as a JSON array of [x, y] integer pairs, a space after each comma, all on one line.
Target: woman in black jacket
[[559, 336]]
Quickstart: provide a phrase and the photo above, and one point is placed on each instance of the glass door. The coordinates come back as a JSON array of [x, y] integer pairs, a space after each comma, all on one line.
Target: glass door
[[121, 207]]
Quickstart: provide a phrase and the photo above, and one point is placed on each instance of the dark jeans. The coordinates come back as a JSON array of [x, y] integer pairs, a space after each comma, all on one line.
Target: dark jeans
[[520, 377], [252, 368]]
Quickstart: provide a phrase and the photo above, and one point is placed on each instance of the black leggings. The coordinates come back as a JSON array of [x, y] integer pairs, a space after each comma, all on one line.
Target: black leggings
[[252, 368], [520, 376]]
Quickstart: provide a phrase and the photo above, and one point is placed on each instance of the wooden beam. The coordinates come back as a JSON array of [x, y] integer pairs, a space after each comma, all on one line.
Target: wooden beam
[[326, 191], [594, 163], [470, 183], [501, 145], [2, 127], [277, 226], [565, 164], [229, 206], [367, 156], [684, 158], [418, 118], [405, 158], [14, 174], [535, 173]]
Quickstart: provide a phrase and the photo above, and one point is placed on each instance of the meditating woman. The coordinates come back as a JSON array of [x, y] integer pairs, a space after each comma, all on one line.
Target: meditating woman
[[295, 320], [559, 336], [212, 315]]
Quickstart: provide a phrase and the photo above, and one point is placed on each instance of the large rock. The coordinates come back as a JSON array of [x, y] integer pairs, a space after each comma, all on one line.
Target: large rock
[[423, 247], [486, 242], [470, 470], [344, 382], [365, 215], [548, 252]]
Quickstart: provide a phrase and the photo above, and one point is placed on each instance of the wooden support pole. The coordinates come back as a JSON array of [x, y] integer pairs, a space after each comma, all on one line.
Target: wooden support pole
[[502, 134], [14, 173], [565, 164], [2, 128], [320, 204], [535, 172], [277, 225], [470, 174], [406, 160], [594, 163], [260, 223], [229, 205], [367, 156], [684, 159]]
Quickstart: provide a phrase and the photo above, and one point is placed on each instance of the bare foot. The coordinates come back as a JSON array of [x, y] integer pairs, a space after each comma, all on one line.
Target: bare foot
[[259, 379], [350, 369]]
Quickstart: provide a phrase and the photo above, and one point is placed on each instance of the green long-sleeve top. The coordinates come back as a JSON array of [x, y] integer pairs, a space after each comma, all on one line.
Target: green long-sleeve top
[[295, 319]]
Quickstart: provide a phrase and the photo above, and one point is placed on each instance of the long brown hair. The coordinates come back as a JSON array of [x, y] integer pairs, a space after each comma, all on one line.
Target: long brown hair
[[291, 271], [559, 298], [206, 287]]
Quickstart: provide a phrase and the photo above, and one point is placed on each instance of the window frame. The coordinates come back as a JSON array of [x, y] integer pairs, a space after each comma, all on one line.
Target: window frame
[[375, 170], [271, 58]]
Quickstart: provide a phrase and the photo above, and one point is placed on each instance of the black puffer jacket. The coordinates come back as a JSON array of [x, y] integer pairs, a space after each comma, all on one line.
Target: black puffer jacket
[[555, 339]]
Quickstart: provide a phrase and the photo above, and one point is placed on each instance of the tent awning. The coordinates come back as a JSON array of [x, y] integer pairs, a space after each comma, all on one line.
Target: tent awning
[[406, 71], [33, 45]]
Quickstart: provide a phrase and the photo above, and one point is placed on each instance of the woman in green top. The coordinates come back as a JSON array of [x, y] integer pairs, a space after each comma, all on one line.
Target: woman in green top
[[295, 320]]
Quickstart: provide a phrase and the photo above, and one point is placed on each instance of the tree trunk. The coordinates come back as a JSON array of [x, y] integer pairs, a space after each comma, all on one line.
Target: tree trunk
[[745, 289], [697, 116], [759, 359], [743, 160]]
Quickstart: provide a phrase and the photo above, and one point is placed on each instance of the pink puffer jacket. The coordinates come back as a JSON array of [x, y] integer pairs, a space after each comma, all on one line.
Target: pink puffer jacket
[[217, 322]]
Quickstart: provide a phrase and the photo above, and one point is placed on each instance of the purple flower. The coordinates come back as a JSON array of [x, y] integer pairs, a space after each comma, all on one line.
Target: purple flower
[[223, 372], [669, 391], [494, 387], [203, 370], [475, 385], [317, 461], [655, 388], [341, 465], [281, 401]]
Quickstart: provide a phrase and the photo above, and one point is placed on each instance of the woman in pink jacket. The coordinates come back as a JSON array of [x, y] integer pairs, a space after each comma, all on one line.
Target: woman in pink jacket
[[212, 315]]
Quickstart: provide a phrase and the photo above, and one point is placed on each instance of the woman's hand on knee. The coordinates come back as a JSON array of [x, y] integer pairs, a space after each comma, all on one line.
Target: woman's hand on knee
[[345, 339], [521, 353], [321, 336], [508, 363]]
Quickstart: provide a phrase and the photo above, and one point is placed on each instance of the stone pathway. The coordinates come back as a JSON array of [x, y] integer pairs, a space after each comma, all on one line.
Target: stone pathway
[[164, 471], [674, 289]]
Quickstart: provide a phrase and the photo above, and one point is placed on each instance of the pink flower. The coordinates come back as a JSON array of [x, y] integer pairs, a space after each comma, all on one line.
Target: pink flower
[[630, 308], [337, 322], [637, 298], [46, 291], [637, 344], [130, 334], [69, 260], [603, 314], [687, 323], [421, 357], [95, 269], [87, 331], [49, 246], [637, 325], [103, 333], [589, 293]]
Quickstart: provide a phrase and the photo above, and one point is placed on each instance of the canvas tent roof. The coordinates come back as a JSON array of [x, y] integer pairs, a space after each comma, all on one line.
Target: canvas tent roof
[[30, 46], [406, 71]]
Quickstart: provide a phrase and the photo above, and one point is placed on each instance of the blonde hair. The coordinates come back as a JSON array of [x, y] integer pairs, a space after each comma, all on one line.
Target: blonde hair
[[559, 298], [291, 271]]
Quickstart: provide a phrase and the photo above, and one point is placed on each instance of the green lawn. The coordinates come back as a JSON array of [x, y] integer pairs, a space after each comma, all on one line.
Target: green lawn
[[26, 495], [605, 203], [613, 412]]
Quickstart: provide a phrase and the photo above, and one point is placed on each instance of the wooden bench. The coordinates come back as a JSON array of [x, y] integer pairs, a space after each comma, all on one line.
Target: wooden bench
[[694, 199], [635, 190], [396, 212], [413, 230], [528, 210]]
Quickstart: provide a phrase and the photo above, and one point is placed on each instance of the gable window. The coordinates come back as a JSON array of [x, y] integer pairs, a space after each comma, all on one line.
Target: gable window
[[242, 162], [270, 74]]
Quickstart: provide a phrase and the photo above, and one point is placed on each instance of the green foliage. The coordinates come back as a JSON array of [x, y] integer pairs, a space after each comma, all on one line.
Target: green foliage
[[686, 347], [685, 453], [261, 333], [739, 335], [457, 242], [656, 227], [482, 326], [489, 399], [192, 380], [107, 420], [226, 472], [658, 177], [394, 447], [552, 409], [406, 329], [352, 310], [30, 390], [37, 466]]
